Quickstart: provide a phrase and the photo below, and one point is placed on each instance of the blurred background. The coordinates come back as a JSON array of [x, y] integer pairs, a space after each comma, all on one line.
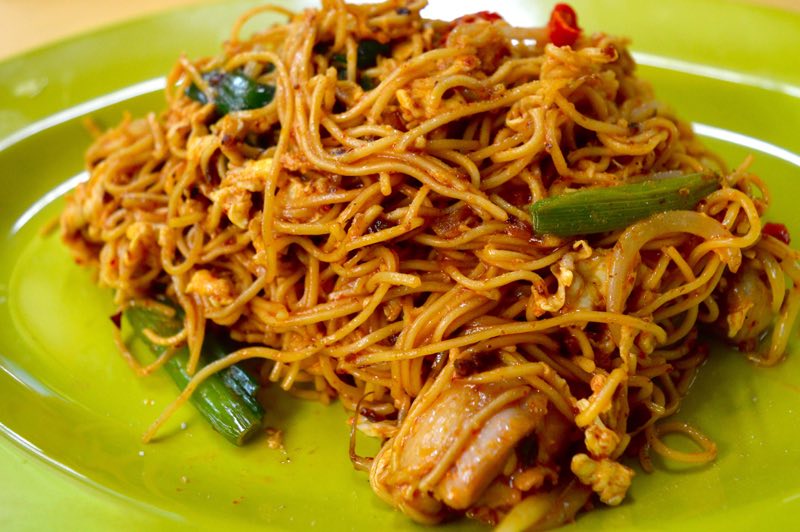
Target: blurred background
[[26, 24]]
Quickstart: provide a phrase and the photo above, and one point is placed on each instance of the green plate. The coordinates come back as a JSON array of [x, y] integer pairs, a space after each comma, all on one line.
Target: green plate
[[72, 413]]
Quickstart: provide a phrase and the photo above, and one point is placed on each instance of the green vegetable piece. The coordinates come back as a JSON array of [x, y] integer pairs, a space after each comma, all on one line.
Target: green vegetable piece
[[339, 62], [367, 83], [196, 94], [366, 56], [237, 92], [368, 52], [235, 377], [215, 347], [597, 210], [233, 91], [228, 413]]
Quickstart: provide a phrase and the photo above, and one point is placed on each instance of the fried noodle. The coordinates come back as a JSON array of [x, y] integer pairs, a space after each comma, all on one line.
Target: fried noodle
[[365, 234]]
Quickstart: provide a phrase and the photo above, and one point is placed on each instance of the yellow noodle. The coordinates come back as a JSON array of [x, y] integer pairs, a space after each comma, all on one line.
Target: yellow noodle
[[367, 232], [709, 449]]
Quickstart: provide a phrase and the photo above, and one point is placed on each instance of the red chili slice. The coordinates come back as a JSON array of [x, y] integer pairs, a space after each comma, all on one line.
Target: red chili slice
[[778, 231], [563, 26]]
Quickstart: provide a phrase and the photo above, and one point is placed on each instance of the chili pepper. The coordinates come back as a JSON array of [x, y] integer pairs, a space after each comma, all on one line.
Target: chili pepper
[[563, 26], [776, 230]]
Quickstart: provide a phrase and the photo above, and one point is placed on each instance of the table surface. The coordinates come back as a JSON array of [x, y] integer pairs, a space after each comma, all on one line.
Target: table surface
[[26, 24]]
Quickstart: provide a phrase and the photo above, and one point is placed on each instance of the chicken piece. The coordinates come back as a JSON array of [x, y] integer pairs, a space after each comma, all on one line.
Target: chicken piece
[[608, 478], [485, 455], [407, 472], [402, 491], [553, 435]]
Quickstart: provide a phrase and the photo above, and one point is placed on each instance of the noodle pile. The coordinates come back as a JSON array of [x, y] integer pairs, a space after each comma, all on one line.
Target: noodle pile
[[365, 234]]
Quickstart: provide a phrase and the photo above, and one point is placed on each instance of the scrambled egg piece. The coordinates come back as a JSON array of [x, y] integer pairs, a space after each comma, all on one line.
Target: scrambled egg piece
[[599, 439], [609, 479], [218, 290], [234, 195], [582, 277]]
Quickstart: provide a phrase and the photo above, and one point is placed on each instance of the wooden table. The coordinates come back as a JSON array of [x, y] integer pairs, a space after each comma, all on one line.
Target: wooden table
[[26, 24]]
